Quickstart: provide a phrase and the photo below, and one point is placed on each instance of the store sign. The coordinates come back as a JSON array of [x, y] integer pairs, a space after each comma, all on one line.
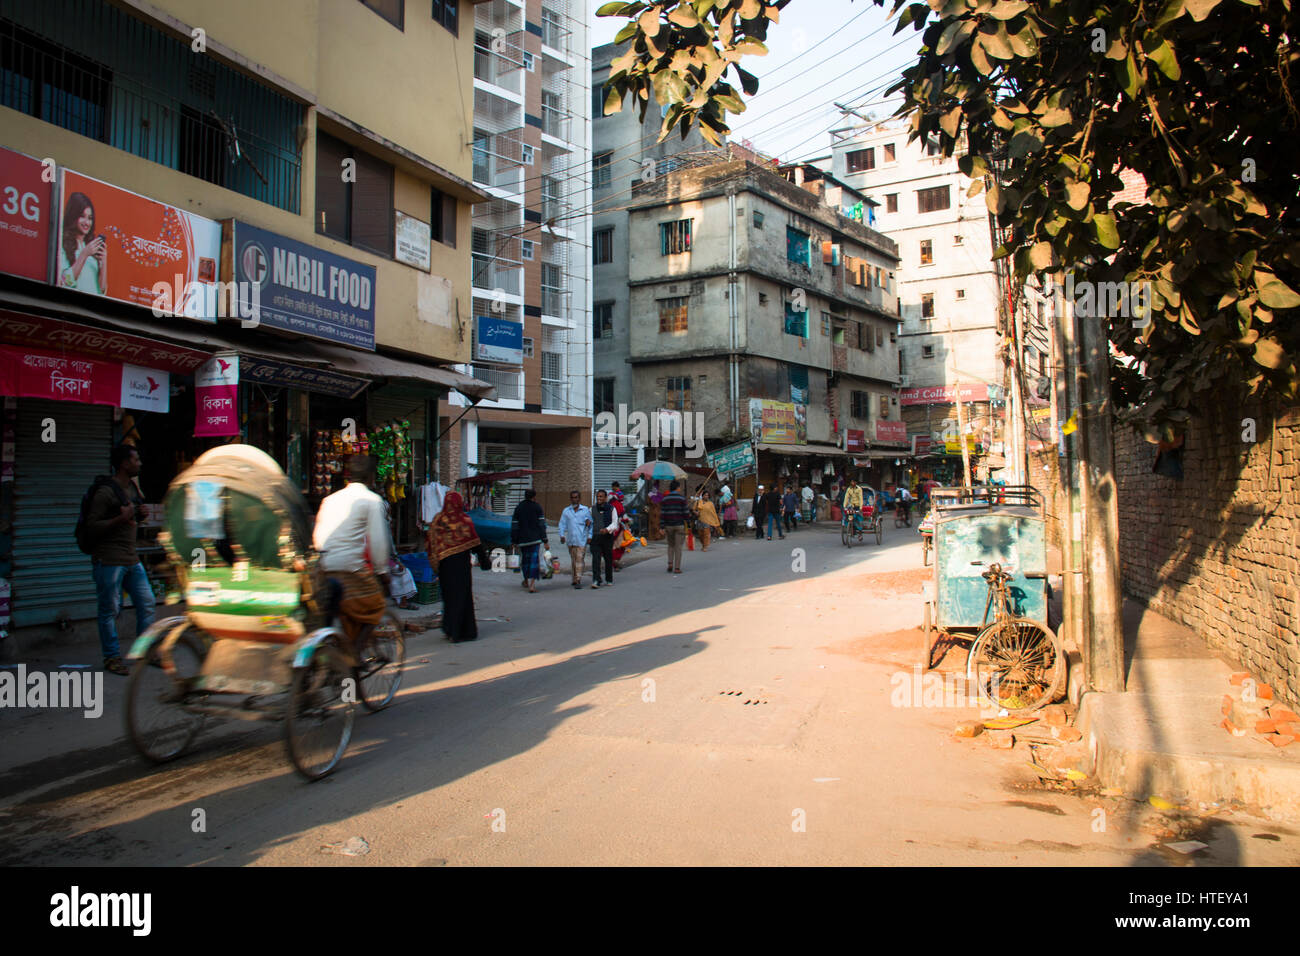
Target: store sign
[[145, 388], [304, 289], [778, 423], [216, 397], [922, 445], [282, 374], [24, 216], [143, 251], [32, 373], [887, 431], [414, 239], [17, 328], [855, 440], [498, 340], [943, 395], [954, 447], [732, 459]]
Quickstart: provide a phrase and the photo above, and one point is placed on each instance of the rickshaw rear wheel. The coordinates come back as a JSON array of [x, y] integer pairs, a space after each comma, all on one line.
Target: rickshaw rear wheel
[[318, 722], [880, 530], [845, 539], [156, 721], [381, 657], [1017, 664]]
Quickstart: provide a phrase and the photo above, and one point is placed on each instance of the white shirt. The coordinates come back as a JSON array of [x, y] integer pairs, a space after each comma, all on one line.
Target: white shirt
[[346, 522]]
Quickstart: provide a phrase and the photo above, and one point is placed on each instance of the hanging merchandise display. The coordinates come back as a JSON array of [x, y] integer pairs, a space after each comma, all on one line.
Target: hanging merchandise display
[[330, 449], [391, 442]]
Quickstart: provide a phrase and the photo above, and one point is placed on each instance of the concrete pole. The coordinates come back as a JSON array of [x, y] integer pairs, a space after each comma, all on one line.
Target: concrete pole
[[1063, 403], [1105, 636]]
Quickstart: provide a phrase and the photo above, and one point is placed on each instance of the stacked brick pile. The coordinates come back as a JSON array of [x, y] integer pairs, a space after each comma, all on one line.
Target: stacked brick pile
[[1251, 709]]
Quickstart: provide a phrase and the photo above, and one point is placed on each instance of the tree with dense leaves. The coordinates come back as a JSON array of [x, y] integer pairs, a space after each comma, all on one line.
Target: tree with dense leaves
[[1048, 100]]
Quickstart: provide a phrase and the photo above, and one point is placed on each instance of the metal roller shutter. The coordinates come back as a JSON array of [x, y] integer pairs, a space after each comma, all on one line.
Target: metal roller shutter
[[615, 464], [514, 456], [51, 577]]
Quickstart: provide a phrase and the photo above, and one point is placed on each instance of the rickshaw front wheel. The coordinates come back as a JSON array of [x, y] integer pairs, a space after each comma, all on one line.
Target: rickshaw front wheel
[[159, 726], [1017, 664], [322, 706], [382, 655]]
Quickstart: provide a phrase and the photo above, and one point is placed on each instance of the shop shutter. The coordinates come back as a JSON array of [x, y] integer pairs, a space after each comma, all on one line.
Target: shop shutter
[[51, 577], [514, 456], [615, 464]]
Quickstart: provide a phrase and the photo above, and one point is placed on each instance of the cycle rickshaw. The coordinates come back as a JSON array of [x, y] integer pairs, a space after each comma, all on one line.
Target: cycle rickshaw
[[990, 581], [258, 639]]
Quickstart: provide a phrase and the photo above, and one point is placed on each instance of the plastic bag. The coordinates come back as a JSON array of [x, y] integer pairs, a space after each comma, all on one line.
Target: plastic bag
[[749, 522], [401, 583]]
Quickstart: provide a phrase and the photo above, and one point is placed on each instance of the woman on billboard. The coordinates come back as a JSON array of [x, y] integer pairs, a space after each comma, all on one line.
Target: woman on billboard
[[83, 260]]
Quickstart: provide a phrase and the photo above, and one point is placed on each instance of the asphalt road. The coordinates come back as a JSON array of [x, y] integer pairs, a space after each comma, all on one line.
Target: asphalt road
[[747, 711]]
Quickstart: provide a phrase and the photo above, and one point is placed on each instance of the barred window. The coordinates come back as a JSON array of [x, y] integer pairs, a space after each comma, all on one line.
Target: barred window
[[927, 305], [932, 200], [927, 251], [602, 245], [672, 314], [600, 169], [861, 160], [796, 245], [861, 404], [674, 237], [603, 320], [677, 393]]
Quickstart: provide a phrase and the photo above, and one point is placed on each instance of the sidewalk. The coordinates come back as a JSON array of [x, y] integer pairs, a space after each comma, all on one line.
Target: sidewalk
[[1163, 736]]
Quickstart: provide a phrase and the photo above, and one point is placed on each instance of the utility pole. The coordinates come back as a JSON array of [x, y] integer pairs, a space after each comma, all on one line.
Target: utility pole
[[1099, 491], [961, 410]]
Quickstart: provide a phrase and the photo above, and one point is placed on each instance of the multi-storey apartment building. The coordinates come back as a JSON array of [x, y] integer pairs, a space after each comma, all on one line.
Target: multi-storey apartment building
[[947, 285], [530, 244], [316, 153], [624, 150], [759, 303]]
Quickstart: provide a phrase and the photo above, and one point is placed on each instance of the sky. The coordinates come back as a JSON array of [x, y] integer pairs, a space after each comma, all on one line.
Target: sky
[[822, 52]]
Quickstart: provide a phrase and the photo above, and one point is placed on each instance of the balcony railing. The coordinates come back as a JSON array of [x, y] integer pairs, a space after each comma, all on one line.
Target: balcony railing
[[554, 34], [509, 383], [501, 66], [555, 395], [490, 273], [555, 122], [553, 301], [88, 67]]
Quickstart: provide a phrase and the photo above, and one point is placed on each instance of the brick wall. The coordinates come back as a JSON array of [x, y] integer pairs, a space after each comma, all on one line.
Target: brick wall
[[1219, 550], [565, 453]]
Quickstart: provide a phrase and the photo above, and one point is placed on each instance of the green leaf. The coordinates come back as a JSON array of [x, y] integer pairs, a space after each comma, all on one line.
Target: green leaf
[[995, 41], [730, 102], [1200, 9], [1006, 9], [625, 34], [1040, 256], [750, 9], [1170, 12], [1163, 56], [1077, 195], [976, 187], [979, 59], [750, 47], [993, 198], [748, 81], [950, 121], [1107, 233], [1055, 117], [1025, 142], [1273, 292], [1024, 43], [613, 101], [1269, 353], [684, 16], [649, 22], [610, 9]]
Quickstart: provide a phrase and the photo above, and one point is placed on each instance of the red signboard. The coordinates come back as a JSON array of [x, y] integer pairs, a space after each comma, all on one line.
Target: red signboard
[[943, 394], [24, 217], [921, 445], [37, 331], [27, 373], [855, 440], [216, 397], [887, 431]]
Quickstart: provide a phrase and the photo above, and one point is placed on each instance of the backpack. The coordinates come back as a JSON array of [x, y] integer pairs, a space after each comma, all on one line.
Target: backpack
[[85, 541]]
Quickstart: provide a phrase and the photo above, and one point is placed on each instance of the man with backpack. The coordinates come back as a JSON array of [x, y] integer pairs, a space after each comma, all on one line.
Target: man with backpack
[[107, 532]]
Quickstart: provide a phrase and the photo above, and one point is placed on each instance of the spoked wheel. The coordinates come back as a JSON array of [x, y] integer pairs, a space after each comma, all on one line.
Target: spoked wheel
[[318, 724], [382, 655], [880, 531], [1017, 664], [845, 537], [159, 726]]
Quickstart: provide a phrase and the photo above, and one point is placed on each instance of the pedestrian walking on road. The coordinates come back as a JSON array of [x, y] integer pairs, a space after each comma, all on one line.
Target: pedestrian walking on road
[[707, 520], [654, 511], [450, 540], [790, 504], [730, 515], [673, 515], [757, 513], [605, 519], [772, 509], [575, 532], [616, 501], [528, 533]]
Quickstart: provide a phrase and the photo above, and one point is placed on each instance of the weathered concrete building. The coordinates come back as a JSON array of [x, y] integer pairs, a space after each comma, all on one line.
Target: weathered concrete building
[[747, 285]]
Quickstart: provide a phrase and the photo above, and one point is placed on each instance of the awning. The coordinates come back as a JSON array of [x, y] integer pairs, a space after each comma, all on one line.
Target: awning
[[376, 365], [827, 451], [211, 337]]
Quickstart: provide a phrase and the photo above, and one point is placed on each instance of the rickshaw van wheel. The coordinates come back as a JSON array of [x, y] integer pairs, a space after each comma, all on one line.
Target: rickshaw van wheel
[[1017, 635], [320, 711], [157, 723]]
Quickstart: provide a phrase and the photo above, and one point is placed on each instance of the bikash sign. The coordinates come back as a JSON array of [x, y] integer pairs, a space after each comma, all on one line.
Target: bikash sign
[[216, 397]]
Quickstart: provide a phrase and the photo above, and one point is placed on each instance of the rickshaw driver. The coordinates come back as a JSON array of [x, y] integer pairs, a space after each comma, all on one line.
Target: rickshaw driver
[[853, 504], [350, 524]]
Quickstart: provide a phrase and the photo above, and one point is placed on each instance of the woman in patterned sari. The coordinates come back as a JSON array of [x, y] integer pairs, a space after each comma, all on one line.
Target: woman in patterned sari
[[450, 540]]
